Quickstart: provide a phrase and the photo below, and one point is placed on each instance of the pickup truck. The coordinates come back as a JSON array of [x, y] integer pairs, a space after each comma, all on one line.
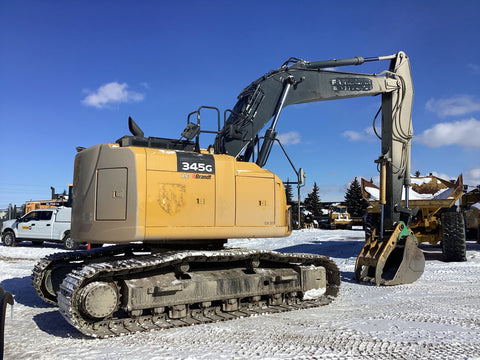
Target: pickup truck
[[37, 226]]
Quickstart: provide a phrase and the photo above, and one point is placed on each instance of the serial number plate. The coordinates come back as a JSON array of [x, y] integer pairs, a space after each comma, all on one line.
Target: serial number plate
[[351, 84], [195, 163]]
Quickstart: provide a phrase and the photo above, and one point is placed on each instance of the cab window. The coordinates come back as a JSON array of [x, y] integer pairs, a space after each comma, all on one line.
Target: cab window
[[45, 215], [31, 216]]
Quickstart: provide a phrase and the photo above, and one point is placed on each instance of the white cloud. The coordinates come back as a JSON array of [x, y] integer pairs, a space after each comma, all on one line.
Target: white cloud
[[472, 177], [289, 138], [112, 93], [464, 133], [458, 105], [366, 135]]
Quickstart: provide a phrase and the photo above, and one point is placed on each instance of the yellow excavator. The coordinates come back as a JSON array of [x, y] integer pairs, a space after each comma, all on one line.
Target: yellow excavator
[[169, 206]]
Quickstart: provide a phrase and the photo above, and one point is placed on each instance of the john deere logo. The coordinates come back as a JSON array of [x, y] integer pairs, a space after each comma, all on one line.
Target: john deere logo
[[171, 197]]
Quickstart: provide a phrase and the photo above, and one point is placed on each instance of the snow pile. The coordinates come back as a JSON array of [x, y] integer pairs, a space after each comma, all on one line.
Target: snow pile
[[422, 180], [412, 194], [314, 294], [437, 317]]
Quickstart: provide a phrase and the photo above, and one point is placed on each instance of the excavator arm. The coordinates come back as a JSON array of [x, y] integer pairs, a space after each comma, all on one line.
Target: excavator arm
[[303, 82]]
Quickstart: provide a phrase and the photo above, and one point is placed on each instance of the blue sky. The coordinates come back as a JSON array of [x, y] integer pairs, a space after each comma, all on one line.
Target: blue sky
[[72, 72]]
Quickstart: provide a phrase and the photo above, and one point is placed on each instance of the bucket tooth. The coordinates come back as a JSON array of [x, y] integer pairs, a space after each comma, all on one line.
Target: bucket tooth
[[392, 261]]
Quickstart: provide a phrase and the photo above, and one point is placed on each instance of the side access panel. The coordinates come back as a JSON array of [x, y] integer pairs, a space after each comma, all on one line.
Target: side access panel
[[111, 199], [255, 205]]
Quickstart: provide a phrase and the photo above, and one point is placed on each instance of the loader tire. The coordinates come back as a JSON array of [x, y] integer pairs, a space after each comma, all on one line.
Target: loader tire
[[453, 237], [371, 222]]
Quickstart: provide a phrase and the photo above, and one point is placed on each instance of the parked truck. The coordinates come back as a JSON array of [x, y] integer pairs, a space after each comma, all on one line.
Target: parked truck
[[38, 226]]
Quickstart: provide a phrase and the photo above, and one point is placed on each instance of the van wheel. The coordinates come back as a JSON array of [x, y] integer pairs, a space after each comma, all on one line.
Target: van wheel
[[9, 239], [68, 243]]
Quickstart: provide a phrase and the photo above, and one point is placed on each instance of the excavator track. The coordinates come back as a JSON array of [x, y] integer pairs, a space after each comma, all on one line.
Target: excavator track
[[81, 294], [49, 271]]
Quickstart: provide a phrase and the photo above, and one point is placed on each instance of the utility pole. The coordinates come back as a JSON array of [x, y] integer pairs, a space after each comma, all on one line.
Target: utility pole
[[300, 183]]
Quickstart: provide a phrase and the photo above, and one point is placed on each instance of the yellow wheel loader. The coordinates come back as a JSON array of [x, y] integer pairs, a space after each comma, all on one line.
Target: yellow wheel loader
[[339, 218], [169, 206]]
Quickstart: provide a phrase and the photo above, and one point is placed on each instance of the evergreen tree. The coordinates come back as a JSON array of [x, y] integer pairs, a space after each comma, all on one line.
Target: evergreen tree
[[354, 200], [312, 201], [417, 173], [289, 193]]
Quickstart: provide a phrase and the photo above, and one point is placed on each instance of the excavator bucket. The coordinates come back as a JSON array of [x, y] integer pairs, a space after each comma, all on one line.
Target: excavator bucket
[[393, 261]]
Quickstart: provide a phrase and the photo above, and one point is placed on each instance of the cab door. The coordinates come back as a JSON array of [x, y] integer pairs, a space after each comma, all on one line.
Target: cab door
[[26, 224], [44, 224]]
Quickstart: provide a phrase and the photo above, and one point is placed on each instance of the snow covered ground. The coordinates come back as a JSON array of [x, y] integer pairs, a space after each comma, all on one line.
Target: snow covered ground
[[437, 317]]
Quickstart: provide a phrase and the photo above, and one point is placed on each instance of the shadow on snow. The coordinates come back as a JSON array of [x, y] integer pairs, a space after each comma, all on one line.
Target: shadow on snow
[[50, 322], [331, 248], [53, 323], [22, 290]]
